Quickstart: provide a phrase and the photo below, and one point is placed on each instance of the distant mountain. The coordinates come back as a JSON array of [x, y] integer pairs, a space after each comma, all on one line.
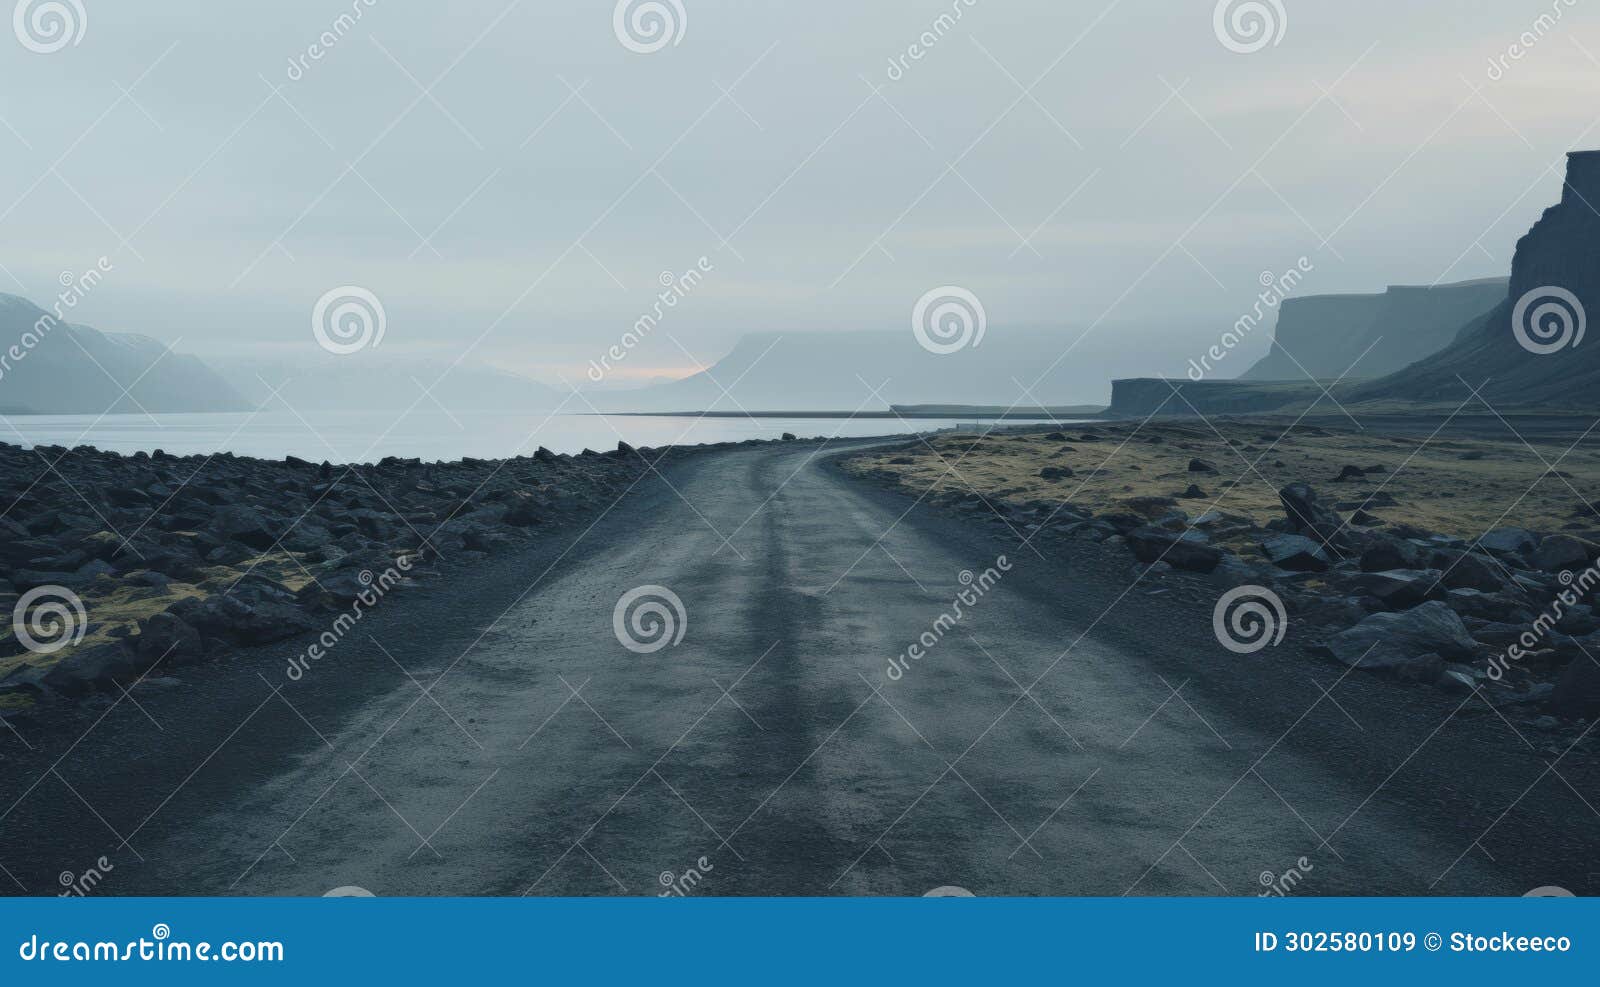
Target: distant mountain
[[370, 381], [1325, 336], [825, 371], [51, 367], [1531, 348]]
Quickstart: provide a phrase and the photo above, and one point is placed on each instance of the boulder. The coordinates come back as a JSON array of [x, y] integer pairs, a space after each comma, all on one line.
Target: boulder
[[1400, 589], [165, 638], [242, 524], [1563, 553], [90, 668], [525, 511], [1405, 641], [1509, 541], [1202, 466], [1296, 553], [1467, 570], [1188, 550], [1308, 517], [1056, 473], [247, 615]]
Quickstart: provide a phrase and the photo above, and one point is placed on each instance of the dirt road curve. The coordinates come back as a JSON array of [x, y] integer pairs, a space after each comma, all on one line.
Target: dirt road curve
[[490, 734]]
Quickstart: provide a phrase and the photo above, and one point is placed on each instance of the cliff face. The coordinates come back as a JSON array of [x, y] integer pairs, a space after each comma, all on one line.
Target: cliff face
[[67, 369], [1318, 334], [1543, 361], [1328, 334]]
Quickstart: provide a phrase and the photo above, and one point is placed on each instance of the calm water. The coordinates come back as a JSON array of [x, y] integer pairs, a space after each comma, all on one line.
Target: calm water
[[363, 437]]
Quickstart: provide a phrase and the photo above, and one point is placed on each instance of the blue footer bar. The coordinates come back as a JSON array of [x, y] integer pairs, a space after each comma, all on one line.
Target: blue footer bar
[[938, 940]]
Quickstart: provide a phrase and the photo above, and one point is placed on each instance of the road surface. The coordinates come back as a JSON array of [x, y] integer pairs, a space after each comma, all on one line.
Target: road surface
[[1069, 734]]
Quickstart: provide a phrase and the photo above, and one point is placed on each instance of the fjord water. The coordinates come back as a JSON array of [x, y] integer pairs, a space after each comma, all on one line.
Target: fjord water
[[430, 435]]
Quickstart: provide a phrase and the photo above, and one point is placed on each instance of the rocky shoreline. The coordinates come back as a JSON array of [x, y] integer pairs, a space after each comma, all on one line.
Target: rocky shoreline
[[119, 567], [1513, 616]]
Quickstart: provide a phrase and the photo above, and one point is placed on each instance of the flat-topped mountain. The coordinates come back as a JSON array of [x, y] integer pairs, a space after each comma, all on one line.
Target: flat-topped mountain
[[1531, 348], [1357, 336], [51, 367]]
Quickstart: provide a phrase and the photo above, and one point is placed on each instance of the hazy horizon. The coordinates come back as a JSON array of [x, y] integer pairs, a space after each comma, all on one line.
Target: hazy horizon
[[512, 181]]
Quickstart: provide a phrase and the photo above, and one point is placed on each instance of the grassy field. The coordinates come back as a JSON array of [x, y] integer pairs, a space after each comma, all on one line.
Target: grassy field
[[1457, 486]]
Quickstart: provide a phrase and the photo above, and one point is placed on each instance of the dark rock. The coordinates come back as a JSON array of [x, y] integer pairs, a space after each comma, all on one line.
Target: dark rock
[[1404, 641], [525, 511], [789, 437], [1466, 570], [1401, 589], [1564, 553], [1350, 473], [1056, 474], [242, 524], [165, 638], [1187, 551], [1487, 606], [90, 668], [248, 615], [1308, 517], [1519, 541], [1202, 466], [1295, 553], [1195, 493]]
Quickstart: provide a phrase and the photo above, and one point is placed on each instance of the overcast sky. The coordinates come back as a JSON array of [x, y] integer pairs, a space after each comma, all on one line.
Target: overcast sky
[[511, 180]]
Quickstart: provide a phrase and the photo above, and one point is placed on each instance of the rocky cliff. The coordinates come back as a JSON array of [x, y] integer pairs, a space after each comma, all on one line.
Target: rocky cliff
[[1328, 334], [1531, 348]]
